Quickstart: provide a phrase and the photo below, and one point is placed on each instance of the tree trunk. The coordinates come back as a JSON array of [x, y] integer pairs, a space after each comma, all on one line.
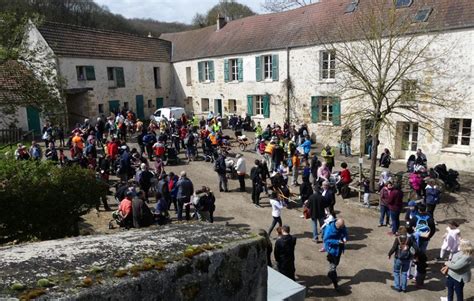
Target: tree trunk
[[373, 160]]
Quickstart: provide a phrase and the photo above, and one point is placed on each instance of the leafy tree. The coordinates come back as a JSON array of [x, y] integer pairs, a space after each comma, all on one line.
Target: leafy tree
[[44, 201], [31, 71], [228, 9], [282, 5]]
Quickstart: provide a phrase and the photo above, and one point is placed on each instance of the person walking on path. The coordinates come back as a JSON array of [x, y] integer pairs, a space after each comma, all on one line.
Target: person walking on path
[[459, 271], [384, 211], [401, 248], [221, 168], [316, 204], [277, 205], [285, 253], [395, 205], [185, 190], [335, 238], [241, 169], [257, 182]]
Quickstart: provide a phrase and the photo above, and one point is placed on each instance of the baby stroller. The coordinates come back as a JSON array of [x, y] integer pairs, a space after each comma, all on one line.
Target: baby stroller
[[171, 157], [449, 177]]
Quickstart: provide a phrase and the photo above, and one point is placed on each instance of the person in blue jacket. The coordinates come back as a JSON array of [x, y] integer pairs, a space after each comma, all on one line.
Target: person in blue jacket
[[306, 145], [335, 238]]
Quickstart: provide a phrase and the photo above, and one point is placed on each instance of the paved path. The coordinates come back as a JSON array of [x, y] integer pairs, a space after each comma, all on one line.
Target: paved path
[[365, 271]]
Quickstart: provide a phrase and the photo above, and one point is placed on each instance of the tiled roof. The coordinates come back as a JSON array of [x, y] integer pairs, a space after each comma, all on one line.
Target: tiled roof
[[76, 41], [12, 77], [303, 26]]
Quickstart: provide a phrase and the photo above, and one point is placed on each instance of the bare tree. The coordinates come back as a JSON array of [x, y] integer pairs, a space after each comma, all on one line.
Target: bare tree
[[388, 71], [282, 5]]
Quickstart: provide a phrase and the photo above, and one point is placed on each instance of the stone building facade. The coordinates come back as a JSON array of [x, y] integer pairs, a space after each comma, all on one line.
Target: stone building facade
[[231, 69], [106, 71]]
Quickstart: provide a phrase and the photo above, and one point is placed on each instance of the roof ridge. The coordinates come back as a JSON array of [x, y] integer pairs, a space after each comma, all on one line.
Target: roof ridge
[[99, 30]]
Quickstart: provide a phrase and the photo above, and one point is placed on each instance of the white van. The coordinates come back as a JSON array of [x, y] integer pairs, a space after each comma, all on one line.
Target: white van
[[170, 113]]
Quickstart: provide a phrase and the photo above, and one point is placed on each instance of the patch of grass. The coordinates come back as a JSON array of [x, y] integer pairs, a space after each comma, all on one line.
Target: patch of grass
[[32, 294]]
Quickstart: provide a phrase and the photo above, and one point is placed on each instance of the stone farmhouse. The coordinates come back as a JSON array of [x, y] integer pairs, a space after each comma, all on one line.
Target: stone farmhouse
[[105, 70], [242, 66]]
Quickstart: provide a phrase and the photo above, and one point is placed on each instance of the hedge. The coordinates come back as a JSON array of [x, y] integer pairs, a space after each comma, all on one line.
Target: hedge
[[40, 200]]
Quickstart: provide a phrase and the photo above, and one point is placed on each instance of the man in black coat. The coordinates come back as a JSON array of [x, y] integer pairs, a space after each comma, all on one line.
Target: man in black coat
[[142, 216], [285, 253], [328, 195], [316, 204], [257, 182], [221, 169]]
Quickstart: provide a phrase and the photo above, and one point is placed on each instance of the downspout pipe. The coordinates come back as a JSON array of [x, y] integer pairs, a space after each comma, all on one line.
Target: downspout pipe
[[288, 81]]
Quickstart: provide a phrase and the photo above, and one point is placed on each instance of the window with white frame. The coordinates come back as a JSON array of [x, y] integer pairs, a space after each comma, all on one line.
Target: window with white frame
[[232, 105], [459, 131], [258, 107], [205, 104], [328, 64], [233, 70], [207, 74], [267, 67], [326, 109]]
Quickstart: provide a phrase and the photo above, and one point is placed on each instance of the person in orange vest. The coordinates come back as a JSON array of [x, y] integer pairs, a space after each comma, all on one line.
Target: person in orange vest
[[268, 154], [295, 160]]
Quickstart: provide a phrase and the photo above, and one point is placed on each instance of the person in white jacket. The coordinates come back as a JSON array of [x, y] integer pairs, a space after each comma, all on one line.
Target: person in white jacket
[[277, 205], [241, 169]]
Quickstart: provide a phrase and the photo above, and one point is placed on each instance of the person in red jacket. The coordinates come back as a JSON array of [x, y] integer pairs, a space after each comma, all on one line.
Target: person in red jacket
[[113, 149], [395, 205], [345, 175]]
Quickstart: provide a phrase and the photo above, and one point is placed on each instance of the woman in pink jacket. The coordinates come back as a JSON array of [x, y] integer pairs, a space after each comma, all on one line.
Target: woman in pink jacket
[[416, 181]]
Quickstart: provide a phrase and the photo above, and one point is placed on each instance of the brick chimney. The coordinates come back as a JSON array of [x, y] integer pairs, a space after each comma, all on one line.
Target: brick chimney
[[220, 22]]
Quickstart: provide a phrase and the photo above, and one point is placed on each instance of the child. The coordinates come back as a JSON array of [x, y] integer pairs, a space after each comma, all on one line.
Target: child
[[420, 260], [307, 169], [452, 237], [412, 211], [366, 186]]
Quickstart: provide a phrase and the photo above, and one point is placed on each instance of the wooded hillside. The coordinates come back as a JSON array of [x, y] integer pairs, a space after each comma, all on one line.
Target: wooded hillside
[[90, 14]]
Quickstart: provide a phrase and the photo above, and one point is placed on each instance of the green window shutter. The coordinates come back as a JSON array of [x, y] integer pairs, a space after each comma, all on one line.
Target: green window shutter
[[240, 65], [314, 109], [226, 70], [90, 73], [250, 105], [120, 77], [336, 111], [266, 106], [258, 68], [211, 70], [200, 72], [275, 67]]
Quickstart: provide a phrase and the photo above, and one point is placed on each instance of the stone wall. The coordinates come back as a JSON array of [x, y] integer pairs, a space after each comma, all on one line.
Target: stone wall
[[175, 262]]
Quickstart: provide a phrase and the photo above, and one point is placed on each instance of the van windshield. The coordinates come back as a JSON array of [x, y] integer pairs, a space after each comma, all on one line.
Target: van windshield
[[158, 113]]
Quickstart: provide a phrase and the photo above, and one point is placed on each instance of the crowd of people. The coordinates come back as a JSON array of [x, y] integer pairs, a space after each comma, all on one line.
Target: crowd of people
[[284, 153]]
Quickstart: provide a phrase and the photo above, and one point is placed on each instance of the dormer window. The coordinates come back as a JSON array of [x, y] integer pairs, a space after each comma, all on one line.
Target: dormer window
[[423, 14], [352, 6], [403, 3]]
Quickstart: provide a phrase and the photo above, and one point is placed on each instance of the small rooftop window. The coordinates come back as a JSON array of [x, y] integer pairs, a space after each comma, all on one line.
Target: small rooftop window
[[352, 6], [403, 3], [423, 14]]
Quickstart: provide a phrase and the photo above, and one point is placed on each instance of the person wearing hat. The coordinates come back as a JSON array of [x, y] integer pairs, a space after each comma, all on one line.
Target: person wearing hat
[[412, 211], [241, 169], [21, 153]]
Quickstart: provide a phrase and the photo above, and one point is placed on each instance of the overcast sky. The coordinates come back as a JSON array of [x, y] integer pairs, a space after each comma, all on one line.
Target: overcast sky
[[168, 10]]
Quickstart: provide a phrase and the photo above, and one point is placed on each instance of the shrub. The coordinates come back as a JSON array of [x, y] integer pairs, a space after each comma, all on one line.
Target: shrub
[[44, 201]]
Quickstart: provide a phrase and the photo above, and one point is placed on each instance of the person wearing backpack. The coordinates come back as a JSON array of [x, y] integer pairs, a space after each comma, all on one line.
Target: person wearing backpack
[[403, 247], [423, 227], [220, 168]]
